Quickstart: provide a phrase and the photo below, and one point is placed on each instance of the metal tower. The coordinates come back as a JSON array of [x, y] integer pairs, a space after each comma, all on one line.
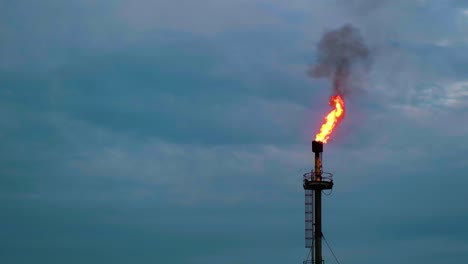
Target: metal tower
[[314, 183]]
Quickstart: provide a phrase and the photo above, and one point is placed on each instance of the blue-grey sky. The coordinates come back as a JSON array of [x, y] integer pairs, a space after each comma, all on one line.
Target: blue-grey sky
[[143, 131]]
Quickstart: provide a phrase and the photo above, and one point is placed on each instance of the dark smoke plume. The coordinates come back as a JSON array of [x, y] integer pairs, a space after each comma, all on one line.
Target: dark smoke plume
[[341, 54]]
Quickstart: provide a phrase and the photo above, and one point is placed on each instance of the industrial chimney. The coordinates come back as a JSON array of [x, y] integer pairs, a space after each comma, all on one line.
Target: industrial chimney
[[314, 182]]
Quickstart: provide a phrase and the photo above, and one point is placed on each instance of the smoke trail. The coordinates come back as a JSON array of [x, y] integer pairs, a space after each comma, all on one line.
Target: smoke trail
[[340, 52]]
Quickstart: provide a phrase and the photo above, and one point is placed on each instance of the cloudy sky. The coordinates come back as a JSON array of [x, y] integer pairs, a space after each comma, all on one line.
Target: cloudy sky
[[157, 131]]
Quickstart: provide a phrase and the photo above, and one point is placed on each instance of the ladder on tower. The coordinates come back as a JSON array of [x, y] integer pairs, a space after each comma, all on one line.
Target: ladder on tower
[[309, 219]]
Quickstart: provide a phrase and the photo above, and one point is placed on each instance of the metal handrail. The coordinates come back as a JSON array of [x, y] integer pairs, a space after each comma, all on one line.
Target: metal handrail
[[310, 176], [311, 262]]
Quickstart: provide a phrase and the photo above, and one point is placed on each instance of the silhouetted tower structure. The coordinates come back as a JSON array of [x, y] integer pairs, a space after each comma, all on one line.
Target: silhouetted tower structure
[[314, 183]]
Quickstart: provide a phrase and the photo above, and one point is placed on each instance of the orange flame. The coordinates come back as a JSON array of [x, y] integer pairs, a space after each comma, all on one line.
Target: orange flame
[[332, 119]]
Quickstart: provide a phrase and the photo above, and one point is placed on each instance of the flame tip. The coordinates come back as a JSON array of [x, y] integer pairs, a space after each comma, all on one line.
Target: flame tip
[[332, 118]]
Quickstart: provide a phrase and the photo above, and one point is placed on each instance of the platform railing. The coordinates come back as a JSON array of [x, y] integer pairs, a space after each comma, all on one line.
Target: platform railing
[[310, 176], [311, 262]]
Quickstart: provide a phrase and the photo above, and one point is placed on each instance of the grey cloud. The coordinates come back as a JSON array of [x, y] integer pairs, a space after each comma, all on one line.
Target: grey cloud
[[96, 165], [363, 6], [460, 3], [416, 49], [129, 92]]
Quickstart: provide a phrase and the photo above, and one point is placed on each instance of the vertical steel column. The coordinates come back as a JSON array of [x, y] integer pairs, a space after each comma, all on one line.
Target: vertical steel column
[[318, 226], [313, 228], [317, 148]]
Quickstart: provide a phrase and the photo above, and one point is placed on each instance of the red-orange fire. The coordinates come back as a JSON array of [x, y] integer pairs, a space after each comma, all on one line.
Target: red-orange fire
[[332, 119]]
